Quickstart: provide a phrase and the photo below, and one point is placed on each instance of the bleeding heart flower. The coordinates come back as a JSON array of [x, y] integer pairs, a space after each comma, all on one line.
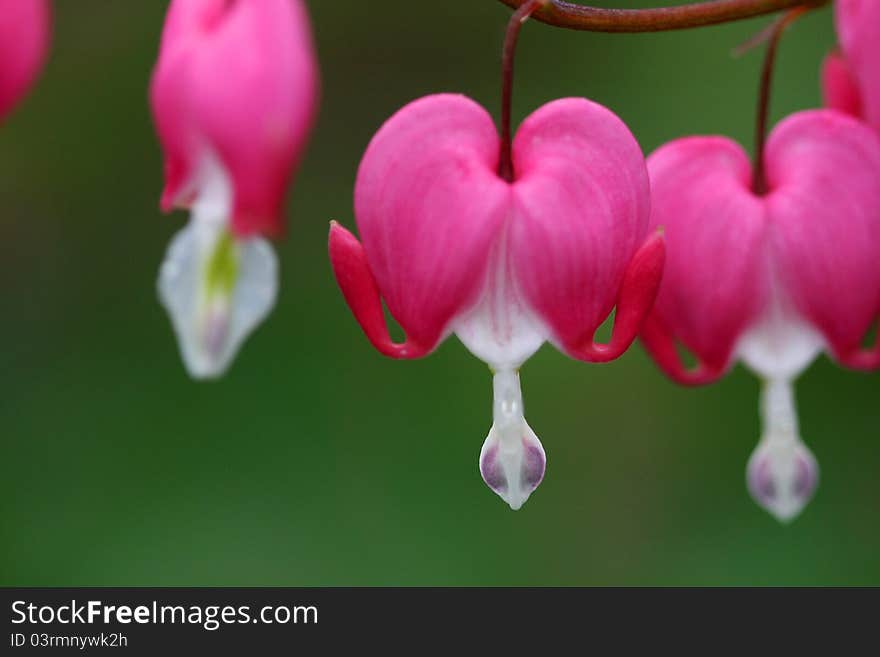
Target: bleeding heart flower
[[851, 78], [451, 247], [233, 95], [771, 280], [24, 40]]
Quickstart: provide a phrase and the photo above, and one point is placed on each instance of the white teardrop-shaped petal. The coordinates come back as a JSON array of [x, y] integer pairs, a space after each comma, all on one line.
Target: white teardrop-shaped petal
[[782, 477], [513, 469], [216, 288], [512, 461], [211, 323], [782, 474]]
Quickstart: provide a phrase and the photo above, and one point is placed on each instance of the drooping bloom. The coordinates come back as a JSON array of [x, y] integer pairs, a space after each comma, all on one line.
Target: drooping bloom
[[851, 76], [24, 41], [233, 96], [770, 280], [451, 247]]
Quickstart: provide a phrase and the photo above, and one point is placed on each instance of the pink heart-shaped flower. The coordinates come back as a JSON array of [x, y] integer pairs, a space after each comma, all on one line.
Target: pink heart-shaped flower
[[233, 95], [451, 246], [808, 247], [770, 279], [442, 231], [851, 78]]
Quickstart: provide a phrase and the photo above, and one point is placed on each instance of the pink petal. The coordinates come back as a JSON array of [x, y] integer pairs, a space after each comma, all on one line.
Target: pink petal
[[429, 204], [714, 283], [840, 90], [638, 293], [24, 40], [858, 25], [240, 79], [353, 275], [824, 172], [581, 208], [660, 343]]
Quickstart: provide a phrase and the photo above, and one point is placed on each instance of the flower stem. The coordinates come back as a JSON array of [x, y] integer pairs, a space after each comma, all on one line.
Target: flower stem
[[520, 16], [596, 19], [759, 179]]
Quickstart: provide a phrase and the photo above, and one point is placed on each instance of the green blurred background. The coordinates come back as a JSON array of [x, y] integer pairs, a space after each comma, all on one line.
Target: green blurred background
[[318, 462]]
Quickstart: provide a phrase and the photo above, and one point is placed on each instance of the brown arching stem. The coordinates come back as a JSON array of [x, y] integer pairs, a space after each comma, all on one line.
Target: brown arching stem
[[759, 177], [520, 16], [596, 19], [560, 13]]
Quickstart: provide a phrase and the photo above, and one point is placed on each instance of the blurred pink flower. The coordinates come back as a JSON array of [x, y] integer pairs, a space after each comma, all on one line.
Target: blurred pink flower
[[25, 27], [451, 247], [851, 78], [770, 280], [233, 94]]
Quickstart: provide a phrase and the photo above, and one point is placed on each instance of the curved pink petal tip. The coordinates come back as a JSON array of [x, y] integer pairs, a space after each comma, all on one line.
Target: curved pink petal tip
[[353, 275], [637, 295], [840, 90]]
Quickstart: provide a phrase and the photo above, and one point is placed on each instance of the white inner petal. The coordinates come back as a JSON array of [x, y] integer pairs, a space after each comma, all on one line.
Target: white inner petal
[[216, 288], [781, 344], [501, 329]]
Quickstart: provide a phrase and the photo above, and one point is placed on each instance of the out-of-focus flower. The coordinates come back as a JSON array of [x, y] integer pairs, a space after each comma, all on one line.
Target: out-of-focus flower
[[451, 247], [771, 280], [851, 76], [233, 95]]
